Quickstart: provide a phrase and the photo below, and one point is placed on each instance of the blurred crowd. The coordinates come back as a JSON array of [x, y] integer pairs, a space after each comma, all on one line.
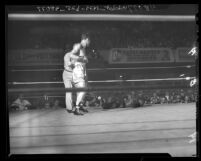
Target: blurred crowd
[[23, 102], [110, 100], [140, 98]]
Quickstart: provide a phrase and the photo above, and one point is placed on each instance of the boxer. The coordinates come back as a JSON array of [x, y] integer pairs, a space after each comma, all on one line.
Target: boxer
[[75, 73]]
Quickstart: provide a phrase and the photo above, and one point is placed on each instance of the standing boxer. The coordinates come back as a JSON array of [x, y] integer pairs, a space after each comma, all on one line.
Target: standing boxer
[[79, 72], [70, 59]]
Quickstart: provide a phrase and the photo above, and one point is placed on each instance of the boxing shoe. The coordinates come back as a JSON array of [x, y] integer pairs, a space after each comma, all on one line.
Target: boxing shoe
[[84, 110], [77, 112], [69, 111]]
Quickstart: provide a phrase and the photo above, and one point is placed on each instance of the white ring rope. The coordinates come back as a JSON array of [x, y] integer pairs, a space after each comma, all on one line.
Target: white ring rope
[[107, 81], [44, 96], [92, 69], [98, 17]]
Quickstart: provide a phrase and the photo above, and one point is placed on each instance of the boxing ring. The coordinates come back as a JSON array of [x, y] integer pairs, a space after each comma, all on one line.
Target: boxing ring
[[154, 129], [158, 128]]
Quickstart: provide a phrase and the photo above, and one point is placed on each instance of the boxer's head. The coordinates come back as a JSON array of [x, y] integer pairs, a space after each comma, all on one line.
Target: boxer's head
[[85, 40]]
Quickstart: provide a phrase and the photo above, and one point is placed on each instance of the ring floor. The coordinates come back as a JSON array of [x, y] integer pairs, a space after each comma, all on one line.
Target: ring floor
[[151, 129]]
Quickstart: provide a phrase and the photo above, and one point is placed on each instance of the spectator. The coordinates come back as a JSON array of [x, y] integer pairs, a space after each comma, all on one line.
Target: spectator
[[21, 104], [56, 104], [135, 101], [155, 99], [146, 99], [192, 98], [98, 101], [45, 102], [112, 102], [182, 96], [167, 97], [162, 100], [129, 101], [141, 98], [187, 99], [173, 97], [179, 98], [124, 102], [92, 101], [88, 99], [108, 103]]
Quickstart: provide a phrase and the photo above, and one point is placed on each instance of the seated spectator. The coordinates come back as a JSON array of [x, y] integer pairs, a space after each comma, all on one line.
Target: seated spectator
[[141, 102], [155, 99], [173, 97], [146, 99], [118, 100], [135, 100], [90, 101], [103, 102], [162, 100], [88, 98], [99, 101], [182, 95], [46, 102], [56, 104], [192, 98], [109, 104], [167, 97], [187, 99], [119, 103], [116, 103], [21, 104], [128, 101], [178, 98], [47, 105]]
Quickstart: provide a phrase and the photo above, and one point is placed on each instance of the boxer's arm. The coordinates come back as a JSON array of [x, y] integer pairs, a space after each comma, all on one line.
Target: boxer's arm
[[67, 60], [85, 59], [73, 53]]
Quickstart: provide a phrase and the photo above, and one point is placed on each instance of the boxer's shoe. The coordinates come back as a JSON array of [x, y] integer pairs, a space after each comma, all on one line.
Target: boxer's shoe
[[77, 112], [69, 111], [83, 109]]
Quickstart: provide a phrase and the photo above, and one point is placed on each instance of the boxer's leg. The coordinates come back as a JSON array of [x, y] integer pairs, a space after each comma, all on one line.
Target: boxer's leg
[[80, 95], [67, 76]]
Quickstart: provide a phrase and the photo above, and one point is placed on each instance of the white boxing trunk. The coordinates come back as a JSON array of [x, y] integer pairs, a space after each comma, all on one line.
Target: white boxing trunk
[[79, 72]]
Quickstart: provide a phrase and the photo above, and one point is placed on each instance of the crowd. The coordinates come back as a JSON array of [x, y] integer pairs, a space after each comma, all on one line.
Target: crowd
[[21, 104], [35, 102], [140, 98], [110, 100]]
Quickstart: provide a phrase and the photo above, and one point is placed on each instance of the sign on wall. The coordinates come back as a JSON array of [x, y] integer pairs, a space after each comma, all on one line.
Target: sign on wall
[[140, 55]]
